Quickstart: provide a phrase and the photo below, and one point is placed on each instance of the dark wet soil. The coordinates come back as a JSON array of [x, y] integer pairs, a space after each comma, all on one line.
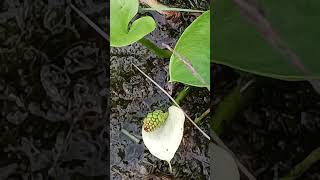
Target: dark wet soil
[[277, 130], [53, 91], [133, 96]]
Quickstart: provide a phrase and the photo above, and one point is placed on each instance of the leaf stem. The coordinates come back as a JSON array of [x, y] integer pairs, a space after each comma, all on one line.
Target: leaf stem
[[170, 167], [230, 105], [203, 115], [157, 5], [182, 94], [153, 47], [227, 109], [172, 9], [303, 166]]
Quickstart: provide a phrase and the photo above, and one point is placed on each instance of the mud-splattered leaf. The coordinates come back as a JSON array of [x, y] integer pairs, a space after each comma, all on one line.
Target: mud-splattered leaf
[[194, 47], [122, 12], [164, 141], [224, 166]]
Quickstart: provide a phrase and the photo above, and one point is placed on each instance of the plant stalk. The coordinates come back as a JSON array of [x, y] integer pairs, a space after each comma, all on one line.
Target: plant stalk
[[182, 94], [230, 106], [303, 166], [158, 51], [203, 115], [225, 112], [170, 167]]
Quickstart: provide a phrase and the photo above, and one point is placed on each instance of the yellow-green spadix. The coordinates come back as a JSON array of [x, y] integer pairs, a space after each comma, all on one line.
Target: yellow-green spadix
[[163, 140]]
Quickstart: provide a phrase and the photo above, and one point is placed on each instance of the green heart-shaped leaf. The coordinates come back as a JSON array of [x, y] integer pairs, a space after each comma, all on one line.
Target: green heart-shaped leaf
[[122, 12], [194, 47]]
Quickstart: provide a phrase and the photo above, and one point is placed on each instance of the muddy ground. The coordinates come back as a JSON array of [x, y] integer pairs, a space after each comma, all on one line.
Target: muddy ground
[[53, 91], [277, 130], [54, 120], [133, 96], [54, 96]]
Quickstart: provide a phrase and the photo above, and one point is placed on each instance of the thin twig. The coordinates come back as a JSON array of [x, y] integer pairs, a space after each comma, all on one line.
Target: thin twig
[[245, 87], [171, 98], [172, 9], [92, 24], [132, 137]]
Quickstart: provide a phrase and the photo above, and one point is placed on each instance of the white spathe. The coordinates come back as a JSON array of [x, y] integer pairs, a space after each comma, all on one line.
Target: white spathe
[[164, 141], [224, 166]]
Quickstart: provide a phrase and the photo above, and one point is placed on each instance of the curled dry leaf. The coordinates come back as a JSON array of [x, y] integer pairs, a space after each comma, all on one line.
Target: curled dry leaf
[[164, 141]]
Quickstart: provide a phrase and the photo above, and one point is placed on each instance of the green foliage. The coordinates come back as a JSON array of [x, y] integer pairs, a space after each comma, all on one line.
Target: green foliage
[[227, 110], [122, 12], [194, 47], [238, 44]]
